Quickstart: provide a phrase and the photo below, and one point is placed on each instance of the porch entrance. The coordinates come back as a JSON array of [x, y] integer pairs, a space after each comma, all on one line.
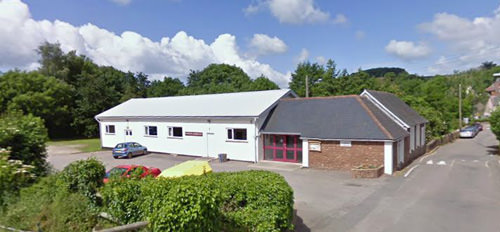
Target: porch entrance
[[285, 148]]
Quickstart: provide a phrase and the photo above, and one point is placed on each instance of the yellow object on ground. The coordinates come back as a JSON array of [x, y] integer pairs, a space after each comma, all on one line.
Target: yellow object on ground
[[191, 167]]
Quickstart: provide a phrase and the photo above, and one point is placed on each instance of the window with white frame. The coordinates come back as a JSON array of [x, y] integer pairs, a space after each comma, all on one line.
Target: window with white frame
[[110, 129], [151, 131], [128, 132], [175, 131], [345, 143], [237, 134]]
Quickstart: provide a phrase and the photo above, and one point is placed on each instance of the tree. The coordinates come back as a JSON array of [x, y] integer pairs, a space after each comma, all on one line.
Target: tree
[[313, 71], [436, 126], [166, 87], [99, 88], [45, 97], [135, 86], [52, 60], [487, 65], [263, 83], [217, 78]]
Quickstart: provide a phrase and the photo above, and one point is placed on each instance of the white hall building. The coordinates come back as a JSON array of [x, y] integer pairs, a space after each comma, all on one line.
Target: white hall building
[[197, 125]]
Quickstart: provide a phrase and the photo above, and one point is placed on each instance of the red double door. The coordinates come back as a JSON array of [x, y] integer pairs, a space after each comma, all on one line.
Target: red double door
[[286, 148]]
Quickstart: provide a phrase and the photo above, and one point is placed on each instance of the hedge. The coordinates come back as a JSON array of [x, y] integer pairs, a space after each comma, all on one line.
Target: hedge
[[84, 176], [255, 201], [242, 201], [49, 206], [64, 201]]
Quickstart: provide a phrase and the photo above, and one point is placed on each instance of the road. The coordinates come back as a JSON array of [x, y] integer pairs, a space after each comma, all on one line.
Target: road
[[457, 188]]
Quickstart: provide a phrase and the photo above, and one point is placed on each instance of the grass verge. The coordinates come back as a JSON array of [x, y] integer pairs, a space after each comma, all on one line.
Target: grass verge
[[86, 145]]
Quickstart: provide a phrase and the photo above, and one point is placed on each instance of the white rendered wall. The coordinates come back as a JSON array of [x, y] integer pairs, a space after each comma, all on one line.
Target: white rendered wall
[[401, 151], [212, 142], [305, 153], [418, 143], [388, 158], [422, 134], [412, 138]]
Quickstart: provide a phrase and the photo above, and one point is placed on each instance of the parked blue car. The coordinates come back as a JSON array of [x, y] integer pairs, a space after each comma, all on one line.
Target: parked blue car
[[129, 150]]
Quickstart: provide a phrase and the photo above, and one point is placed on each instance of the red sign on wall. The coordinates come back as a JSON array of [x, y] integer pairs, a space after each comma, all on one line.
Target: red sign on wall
[[187, 133]]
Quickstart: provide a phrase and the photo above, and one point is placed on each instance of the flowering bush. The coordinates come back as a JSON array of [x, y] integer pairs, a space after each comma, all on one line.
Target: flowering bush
[[13, 175], [25, 136]]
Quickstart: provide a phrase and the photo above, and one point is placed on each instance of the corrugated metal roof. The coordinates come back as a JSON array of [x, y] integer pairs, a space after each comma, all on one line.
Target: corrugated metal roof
[[343, 117], [240, 104], [398, 107]]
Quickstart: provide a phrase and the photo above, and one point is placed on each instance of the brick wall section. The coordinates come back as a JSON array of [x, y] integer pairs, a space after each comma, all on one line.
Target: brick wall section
[[333, 156]]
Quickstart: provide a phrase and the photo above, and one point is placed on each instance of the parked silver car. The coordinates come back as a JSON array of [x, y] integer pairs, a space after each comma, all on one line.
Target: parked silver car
[[469, 132]]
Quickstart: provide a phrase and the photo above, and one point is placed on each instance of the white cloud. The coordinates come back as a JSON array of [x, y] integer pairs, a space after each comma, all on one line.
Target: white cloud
[[360, 35], [321, 60], [303, 56], [122, 2], [20, 35], [292, 11], [469, 41], [252, 9], [407, 50], [264, 44], [340, 19]]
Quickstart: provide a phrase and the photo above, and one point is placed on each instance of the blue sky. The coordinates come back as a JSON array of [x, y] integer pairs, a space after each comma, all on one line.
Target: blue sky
[[425, 37]]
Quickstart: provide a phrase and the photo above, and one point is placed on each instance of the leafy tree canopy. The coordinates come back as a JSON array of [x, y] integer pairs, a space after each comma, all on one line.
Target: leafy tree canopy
[[166, 87], [45, 97], [217, 78], [263, 83]]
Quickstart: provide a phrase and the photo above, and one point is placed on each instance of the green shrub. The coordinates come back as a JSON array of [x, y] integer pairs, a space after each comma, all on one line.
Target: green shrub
[[49, 206], [68, 212], [84, 176], [13, 176], [25, 136], [24, 212], [123, 199], [256, 201], [183, 204], [495, 122], [243, 201]]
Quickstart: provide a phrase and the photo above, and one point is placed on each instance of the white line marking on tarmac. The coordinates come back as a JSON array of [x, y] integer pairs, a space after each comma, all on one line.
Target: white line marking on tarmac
[[425, 156], [463, 160], [452, 162], [441, 163], [475, 161], [489, 170], [409, 171], [429, 162]]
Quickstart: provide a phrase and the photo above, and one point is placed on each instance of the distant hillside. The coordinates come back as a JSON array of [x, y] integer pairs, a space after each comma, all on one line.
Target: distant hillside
[[380, 72]]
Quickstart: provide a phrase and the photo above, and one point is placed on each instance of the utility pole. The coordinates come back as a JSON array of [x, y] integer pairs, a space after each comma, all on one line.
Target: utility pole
[[460, 106], [307, 85]]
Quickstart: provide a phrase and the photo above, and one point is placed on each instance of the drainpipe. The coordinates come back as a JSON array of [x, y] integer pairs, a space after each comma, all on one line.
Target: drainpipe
[[207, 134], [256, 140]]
